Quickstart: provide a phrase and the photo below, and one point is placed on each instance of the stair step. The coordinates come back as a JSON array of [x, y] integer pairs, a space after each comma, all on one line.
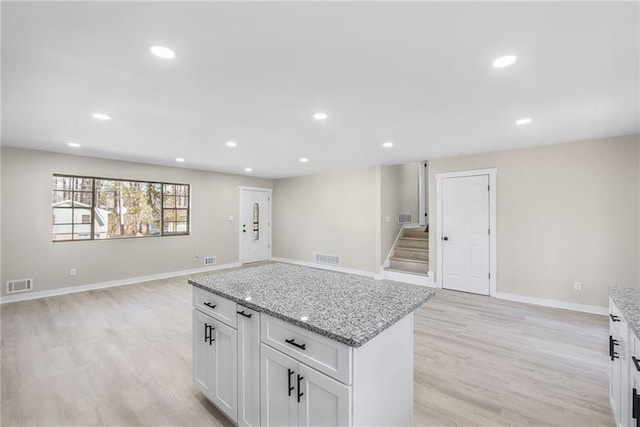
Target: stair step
[[417, 254], [408, 264], [415, 232], [410, 242]]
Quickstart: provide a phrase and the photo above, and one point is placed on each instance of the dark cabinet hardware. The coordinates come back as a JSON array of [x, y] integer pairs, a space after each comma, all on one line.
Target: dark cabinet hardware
[[636, 362], [614, 318], [445, 238], [290, 372], [211, 306], [245, 314], [612, 352], [211, 338], [634, 404], [207, 332], [300, 394], [294, 343]]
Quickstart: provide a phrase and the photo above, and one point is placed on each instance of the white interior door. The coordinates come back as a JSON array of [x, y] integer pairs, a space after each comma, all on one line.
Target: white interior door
[[255, 225], [465, 234]]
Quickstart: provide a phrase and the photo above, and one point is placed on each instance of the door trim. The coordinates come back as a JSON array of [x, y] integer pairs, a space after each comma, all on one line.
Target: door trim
[[240, 244], [493, 265]]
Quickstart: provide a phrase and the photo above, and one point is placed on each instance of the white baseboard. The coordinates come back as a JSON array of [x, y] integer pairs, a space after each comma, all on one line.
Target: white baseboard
[[593, 309], [328, 267], [412, 279], [110, 284]]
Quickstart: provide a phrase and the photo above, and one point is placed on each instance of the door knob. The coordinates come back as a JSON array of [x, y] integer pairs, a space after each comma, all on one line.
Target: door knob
[[445, 238]]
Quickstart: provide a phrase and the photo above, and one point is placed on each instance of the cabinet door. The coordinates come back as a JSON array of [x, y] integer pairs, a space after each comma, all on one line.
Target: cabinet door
[[224, 383], [278, 398], [202, 352], [248, 367], [615, 375], [324, 401]]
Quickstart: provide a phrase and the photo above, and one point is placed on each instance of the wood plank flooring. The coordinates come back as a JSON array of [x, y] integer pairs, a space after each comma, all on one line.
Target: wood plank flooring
[[122, 356]]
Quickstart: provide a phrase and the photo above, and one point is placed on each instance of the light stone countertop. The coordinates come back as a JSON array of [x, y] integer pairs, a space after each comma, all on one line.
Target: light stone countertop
[[628, 301], [344, 307]]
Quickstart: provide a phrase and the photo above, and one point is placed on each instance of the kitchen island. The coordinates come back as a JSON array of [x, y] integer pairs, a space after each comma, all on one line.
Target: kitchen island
[[280, 344]]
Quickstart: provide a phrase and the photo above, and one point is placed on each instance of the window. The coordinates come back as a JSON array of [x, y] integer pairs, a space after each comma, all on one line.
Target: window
[[86, 208]]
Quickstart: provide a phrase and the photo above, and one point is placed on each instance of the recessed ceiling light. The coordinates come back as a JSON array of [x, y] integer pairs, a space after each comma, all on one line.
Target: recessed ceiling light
[[504, 61], [162, 52], [101, 116], [304, 159], [320, 116], [248, 169], [231, 144], [179, 160], [388, 144], [73, 144], [524, 121]]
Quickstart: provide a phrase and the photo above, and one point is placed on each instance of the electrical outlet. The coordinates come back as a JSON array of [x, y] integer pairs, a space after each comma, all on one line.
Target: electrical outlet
[[72, 272], [196, 256], [387, 219], [230, 217], [577, 286]]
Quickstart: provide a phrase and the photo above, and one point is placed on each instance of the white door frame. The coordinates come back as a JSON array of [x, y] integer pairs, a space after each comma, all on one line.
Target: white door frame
[[240, 240], [492, 222]]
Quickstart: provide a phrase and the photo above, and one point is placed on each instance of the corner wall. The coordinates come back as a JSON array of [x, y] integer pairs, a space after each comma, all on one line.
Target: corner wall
[[27, 249], [565, 213]]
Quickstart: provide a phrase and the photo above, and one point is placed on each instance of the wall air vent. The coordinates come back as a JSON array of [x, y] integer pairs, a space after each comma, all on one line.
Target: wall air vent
[[209, 260], [327, 259], [20, 285], [405, 218]]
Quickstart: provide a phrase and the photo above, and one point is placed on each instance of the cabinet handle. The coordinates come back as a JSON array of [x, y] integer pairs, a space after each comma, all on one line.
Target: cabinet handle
[[211, 339], [299, 393], [614, 318], [211, 306], [207, 332], [245, 314], [634, 403], [636, 362], [289, 381], [612, 352], [293, 342]]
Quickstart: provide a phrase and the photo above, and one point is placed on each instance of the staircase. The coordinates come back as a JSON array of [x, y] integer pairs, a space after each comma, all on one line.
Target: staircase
[[411, 253]]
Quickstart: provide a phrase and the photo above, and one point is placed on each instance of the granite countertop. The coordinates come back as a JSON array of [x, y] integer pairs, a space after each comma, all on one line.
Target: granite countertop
[[628, 301], [344, 307]]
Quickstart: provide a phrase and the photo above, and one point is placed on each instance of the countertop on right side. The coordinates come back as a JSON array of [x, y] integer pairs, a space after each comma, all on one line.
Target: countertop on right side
[[628, 302]]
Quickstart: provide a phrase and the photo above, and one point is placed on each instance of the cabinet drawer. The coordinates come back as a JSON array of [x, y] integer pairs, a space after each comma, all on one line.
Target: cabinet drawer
[[616, 320], [215, 306], [325, 355]]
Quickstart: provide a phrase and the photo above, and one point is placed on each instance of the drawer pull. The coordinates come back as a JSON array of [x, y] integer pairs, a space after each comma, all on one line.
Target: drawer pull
[[245, 314], [299, 393], [614, 318], [636, 362], [634, 403], [211, 306], [294, 343], [289, 381]]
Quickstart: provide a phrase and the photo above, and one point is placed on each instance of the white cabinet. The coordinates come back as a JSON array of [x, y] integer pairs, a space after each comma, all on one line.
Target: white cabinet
[[634, 379], [248, 367], [294, 394], [215, 362], [621, 367]]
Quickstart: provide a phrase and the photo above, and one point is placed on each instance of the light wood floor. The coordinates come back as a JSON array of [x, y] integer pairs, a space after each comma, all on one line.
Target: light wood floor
[[122, 356]]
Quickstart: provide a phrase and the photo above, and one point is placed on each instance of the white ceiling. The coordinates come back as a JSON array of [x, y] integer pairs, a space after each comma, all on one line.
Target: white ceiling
[[418, 74]]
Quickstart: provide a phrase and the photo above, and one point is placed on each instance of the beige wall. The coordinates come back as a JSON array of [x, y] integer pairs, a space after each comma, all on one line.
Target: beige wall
[[398, 194], [334, 213], [565, 213], [27, 249]]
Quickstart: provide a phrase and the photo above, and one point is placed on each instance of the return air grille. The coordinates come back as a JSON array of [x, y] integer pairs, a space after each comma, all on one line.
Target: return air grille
[[20, 285], [405, 218], [209, 260], [327, 259]]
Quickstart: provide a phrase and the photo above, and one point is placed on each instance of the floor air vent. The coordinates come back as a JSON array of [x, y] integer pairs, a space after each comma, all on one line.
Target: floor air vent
[[405, 218], [209, 260], [20, 285], [327, 259]]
